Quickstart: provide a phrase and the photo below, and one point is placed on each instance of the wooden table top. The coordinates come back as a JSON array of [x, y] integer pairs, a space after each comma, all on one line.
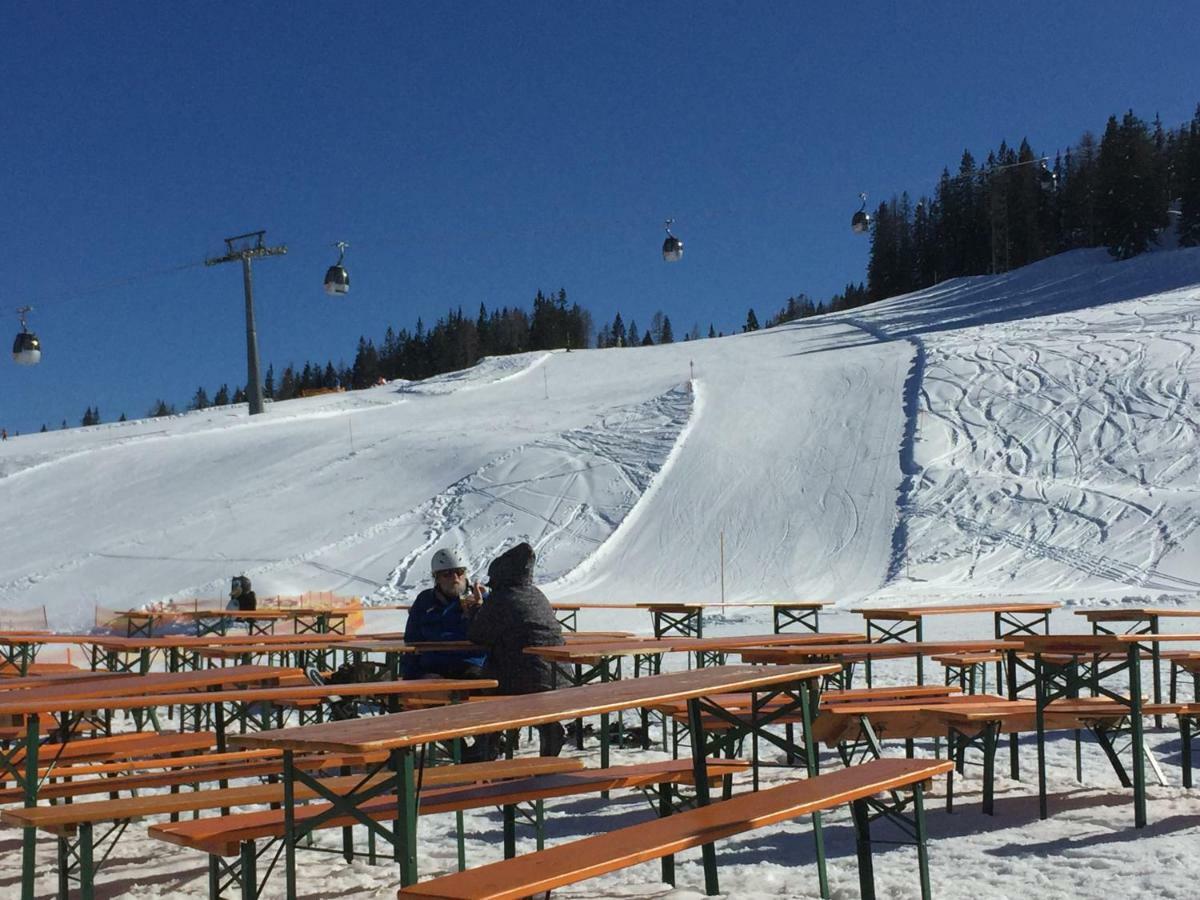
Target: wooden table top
[[21, 704], [874, 650], [235, 613], [420, 726], [118, 642], [601, 649], [154, 683], [900, 613], [732, 642], [1086, 643], [1135, 613]]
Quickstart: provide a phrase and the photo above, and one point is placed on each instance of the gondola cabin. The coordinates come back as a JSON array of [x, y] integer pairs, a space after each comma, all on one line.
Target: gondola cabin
[[672, 249], [337, 280], [27, 349]]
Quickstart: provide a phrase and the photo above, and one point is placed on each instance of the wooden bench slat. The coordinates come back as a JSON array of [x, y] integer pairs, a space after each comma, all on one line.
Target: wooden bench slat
[[603, 853], [222, 836]]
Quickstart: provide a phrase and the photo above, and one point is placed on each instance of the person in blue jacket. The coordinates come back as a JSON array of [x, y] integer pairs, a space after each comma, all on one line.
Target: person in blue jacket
[[439, 614]]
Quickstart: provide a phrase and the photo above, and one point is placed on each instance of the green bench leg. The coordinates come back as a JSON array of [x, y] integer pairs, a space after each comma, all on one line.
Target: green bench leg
[[1185, 736], [664, 810], [862, 838], [922, 837], [86, 869], [249, 873]]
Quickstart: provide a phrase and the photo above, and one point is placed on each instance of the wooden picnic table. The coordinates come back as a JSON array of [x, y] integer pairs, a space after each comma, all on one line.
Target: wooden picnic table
[[401, 733], [208, 688], [20, 762], [898, 623], [1140, 620], [260, 621], [1063, 666]]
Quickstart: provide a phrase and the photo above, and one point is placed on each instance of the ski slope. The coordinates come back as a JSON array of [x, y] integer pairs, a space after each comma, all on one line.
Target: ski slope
[[1031, 435]]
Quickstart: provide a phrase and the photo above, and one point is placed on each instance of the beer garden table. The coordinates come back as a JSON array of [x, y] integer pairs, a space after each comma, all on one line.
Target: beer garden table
[[897, 623], [1141, 620], [206, 688], [401, 733]]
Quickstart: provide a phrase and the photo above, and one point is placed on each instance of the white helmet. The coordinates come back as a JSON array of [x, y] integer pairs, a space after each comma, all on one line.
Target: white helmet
[[447, 558]]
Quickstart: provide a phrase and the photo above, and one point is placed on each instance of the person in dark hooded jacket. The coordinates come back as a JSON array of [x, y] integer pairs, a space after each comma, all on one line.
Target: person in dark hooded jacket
[[516, 615]]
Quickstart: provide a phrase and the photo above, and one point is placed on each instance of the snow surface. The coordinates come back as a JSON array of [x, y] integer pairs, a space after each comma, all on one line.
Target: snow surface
[[1027, 436]]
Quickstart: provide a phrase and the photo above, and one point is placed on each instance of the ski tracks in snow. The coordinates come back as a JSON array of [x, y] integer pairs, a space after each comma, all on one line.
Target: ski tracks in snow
[[1059, 452], [565, 495]]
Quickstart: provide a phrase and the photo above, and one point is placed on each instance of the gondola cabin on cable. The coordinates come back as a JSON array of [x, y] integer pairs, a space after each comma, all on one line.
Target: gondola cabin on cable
[[27, 349], [337, 279], [1047, 180], [860, 222], [672, 246]]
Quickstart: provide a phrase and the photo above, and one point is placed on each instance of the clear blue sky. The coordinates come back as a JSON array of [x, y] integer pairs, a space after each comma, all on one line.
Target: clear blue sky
[[476, 152]]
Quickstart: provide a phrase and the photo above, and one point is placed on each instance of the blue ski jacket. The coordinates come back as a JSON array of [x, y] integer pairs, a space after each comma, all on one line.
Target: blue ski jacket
[[433, 618]]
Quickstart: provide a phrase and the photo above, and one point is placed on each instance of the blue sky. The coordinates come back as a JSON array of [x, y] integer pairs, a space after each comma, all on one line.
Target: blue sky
[[476, 152]]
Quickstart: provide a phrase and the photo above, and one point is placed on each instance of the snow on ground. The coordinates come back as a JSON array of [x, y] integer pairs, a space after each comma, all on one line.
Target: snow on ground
[[1026, 436], [1087, 848]]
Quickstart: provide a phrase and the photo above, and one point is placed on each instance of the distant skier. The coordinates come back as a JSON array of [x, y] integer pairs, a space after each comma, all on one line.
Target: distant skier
[[439, 614], [513, 616], [241, 598]]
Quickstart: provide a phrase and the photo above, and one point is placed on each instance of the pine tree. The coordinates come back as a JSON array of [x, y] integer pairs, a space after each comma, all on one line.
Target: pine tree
[[268, 387], [222, 395], [1128, 210], [667, 336], [199, 399], [648, 340], [633, 337], [712, 332], [751, 321], [239, 395], [618, 338], [43, 428], [1189, 184], [122, 419]]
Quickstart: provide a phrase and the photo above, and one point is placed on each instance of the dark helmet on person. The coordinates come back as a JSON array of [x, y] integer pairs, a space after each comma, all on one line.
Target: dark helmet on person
[[239, 585]]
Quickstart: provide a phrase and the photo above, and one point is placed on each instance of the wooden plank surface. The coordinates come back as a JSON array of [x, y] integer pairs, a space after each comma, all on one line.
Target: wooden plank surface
[[1135, 613], [21, 704], [421, 726], [731, 642], [875, 650], [577, 860], [154, 683], [901, 613]]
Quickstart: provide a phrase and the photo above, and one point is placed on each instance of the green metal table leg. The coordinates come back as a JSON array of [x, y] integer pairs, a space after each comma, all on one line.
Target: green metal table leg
[[406, 815], [1139, 739], [29, 835], [700, 776]]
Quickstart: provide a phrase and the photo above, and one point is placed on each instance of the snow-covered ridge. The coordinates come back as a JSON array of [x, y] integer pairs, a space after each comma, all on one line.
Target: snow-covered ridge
[[1026, 435]]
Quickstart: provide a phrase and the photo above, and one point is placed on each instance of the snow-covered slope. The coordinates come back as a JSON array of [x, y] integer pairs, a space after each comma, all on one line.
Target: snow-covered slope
[[1027, 434]]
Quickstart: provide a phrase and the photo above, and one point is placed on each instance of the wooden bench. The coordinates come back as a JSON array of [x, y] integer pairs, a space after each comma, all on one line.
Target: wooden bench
[[65, 821], [580, 860], [236, 835], [119, 746]]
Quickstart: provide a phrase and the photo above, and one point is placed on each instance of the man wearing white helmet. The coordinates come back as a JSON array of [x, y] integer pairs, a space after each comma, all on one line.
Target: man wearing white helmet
[[439, 614]]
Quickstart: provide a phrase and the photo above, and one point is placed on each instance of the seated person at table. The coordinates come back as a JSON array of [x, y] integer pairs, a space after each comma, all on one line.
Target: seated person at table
[[513, 616], [439, 614], [241, 598]]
